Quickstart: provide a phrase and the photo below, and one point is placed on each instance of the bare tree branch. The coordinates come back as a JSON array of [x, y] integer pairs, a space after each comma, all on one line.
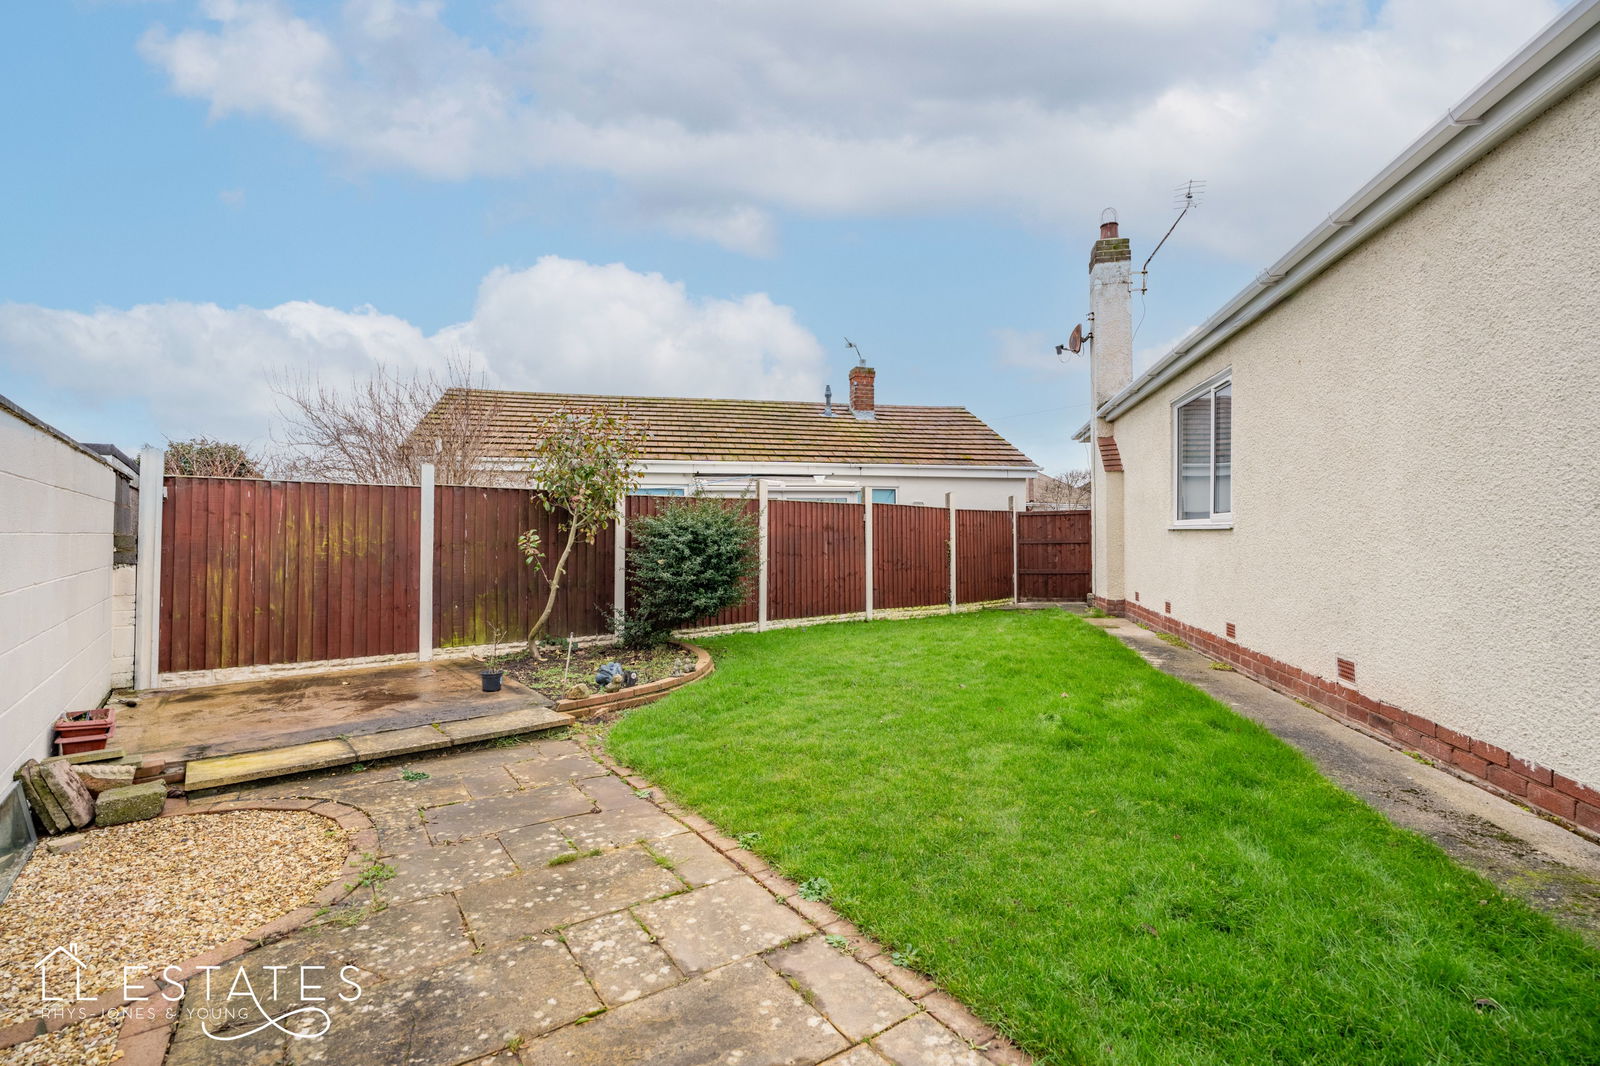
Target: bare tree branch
[[381, 429], [1064, 492]]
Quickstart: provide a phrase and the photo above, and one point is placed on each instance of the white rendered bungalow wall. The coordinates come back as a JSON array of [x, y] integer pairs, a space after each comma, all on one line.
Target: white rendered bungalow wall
[[1416, 463]]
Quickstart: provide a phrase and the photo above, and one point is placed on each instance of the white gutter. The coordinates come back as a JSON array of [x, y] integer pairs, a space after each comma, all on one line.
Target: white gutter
[[1562, 57]]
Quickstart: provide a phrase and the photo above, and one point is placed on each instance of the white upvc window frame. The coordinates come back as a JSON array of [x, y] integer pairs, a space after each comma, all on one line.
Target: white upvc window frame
[[1217, 519]]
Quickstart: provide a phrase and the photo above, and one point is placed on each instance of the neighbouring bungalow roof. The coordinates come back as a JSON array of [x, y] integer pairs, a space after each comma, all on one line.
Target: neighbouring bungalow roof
[[757, 431], [1562, 57]]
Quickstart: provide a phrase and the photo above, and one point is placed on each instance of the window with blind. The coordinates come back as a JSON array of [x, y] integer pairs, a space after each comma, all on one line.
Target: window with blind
[[1203, 453]]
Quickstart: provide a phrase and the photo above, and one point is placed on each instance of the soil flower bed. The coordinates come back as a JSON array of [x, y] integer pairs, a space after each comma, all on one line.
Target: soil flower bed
[[554, 677], [156, 893]]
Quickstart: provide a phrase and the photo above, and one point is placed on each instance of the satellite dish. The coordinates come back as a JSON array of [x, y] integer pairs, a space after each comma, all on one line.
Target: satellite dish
[[1075, 342]]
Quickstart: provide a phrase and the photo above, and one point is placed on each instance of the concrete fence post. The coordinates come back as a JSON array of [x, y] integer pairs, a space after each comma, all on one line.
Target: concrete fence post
[[761, 549], [619, 567], [1011, 504], [866, 519], [950, 506], [428, 561], [147, 584]]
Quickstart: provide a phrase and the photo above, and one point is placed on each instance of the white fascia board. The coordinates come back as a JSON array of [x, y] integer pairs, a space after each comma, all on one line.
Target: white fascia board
[[1083, 433], [1563, 56]]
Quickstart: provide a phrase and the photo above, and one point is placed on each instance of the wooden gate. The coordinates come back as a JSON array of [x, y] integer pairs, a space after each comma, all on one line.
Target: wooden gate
[[1053, 560]]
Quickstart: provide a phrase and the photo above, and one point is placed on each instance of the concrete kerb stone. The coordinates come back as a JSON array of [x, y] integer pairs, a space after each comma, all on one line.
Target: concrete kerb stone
[[138, 1042]]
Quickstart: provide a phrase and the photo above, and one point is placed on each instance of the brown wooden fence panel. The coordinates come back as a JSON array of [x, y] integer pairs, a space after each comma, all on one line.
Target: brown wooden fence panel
[[484, 589], [816, 558], [257, 572], [742, 614], [1053, 561], [983, 556], [910, 555]]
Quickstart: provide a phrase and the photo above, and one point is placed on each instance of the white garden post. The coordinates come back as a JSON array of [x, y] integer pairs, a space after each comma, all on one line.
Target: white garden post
[[950, 505], [425, 567], [866, 518], [1011, 503], [761, 549], [619, 566], [147, 583]]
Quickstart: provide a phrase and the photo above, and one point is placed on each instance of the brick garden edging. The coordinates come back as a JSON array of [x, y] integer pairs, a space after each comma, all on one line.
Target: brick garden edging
[[945, 1008], [143, 1037], [639, 695], [1573, 805]]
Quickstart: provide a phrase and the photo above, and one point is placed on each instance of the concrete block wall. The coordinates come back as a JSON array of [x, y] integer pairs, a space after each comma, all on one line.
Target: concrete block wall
[[123, 582], [56, 511]]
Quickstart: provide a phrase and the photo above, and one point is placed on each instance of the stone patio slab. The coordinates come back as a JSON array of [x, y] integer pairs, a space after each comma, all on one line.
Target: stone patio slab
[[394, 742], [390, 795], [434, 870], [612, 793], [496, 813], [489, 781], [490, 727], [742, 1014], [401, 939], [854, 998], [861, 1055], [618, 829], [538, 900], [621, 960], [275, 762], [719, 923], [462, 1012], [921, 1041], [533, 846], [560, 761], [694, 860]]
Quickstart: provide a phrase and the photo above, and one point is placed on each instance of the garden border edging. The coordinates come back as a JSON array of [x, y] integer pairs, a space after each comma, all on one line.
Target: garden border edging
[[639, 695]]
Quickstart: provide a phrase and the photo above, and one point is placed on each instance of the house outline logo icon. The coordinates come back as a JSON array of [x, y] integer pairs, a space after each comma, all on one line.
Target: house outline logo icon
[[78, 966]]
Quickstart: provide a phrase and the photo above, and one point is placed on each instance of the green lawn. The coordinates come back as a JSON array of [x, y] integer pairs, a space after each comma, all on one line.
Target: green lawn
[[1102, 860]]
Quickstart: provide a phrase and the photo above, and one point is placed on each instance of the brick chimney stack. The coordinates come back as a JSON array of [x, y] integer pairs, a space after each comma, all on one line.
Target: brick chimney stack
[[1111, 303], [862, 402]]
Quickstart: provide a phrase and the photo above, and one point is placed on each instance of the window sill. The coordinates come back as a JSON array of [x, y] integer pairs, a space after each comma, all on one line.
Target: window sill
[[1201, 525]]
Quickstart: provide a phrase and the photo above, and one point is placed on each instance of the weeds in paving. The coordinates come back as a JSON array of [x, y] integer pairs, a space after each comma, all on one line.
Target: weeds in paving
[[407, 774], [815, 889], [515, 1044], [1296, 924], [358, 767], [748, 840], [1222, 666], [643, 793], [574, 856], [908, 957], [1173, 639], [376, 872], [837, 942], [506, 742], [1095, 612]]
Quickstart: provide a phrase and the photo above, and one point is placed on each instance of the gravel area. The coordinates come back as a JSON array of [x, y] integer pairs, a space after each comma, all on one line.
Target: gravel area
[[88, 1043], [157, 892]]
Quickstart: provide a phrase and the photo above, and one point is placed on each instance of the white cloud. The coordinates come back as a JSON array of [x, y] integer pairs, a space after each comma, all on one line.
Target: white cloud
[[1035, 351], [561, 325], [711, 115]]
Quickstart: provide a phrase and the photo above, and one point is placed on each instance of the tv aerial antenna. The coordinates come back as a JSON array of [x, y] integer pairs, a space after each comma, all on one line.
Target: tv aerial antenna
[[1185, 198], [861, 360]]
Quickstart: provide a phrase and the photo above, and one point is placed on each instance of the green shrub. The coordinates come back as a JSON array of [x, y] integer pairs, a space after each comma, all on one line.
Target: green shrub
[[688, 562]]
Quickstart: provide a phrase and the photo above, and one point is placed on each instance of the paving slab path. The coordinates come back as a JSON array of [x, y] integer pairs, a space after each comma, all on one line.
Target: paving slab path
[[530, 906]]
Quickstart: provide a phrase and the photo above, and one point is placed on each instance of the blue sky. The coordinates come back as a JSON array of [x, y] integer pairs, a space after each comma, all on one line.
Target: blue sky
[[598, 197]]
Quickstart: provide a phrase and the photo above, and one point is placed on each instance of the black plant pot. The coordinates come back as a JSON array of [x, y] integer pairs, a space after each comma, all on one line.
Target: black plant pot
[[491, 680]]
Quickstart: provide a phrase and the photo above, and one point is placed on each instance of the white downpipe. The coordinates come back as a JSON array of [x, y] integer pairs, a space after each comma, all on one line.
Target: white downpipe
[[761, 548], [147, 584], [425, 554]]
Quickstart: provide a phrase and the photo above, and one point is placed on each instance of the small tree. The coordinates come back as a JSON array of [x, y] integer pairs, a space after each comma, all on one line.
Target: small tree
[[204, 457], [690, 561], [584, 463]]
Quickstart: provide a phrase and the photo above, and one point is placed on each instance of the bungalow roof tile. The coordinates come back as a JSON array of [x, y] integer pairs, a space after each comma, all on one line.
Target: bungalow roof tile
[[784, 431]]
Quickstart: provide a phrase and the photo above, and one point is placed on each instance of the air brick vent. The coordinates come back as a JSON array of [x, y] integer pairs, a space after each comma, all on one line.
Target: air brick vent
[[1347, 671], [1136, 597], [1231, 632], [1169, 606]]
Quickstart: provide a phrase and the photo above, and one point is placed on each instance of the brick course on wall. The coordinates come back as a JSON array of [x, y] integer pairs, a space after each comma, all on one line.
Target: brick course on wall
[[1477, 761]]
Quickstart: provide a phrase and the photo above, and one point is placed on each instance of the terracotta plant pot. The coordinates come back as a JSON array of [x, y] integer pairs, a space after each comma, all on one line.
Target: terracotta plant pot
[[73, 745], [86, 723], [491, 679]]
